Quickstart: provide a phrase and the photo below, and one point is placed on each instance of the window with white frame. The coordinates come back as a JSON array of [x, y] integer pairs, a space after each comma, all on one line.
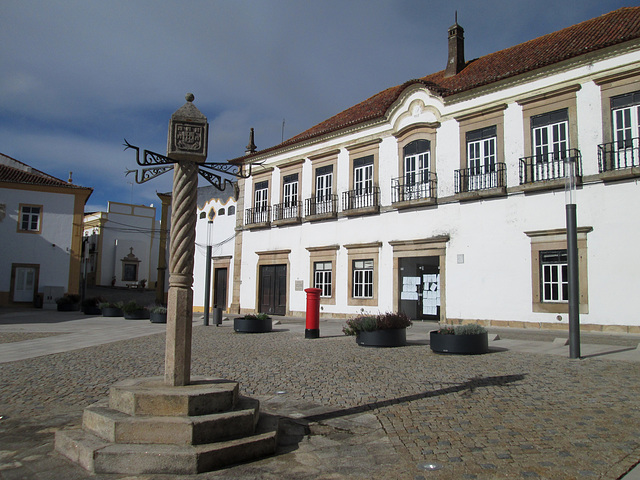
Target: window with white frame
[[261, 192], [550, 135], [362, 278], [417, 156], [554, 283], [322, 278], [30, 218], [481, 150], [363, 175], [290, 190], [625, 112], [324, 183]]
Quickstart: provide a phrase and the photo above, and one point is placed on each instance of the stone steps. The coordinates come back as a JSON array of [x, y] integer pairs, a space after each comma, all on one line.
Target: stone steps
[[148, 427]]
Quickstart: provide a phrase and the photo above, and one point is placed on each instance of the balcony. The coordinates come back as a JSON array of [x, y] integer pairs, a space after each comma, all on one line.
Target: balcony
[[548, 170], [287, 213], [316, 208], [618, 160], [480, 182], [420, 190], [259, 217], [361, 202]]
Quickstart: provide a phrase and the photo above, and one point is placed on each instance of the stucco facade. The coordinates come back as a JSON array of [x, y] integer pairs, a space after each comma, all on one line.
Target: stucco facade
[[446, 195]]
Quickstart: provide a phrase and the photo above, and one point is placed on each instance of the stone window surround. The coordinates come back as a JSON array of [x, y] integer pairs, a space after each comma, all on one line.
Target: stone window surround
[[19, 226], [556, 239], [612, 86], [365, 149], [324, 254], [291, 168], [475, 121], [258, 178], [549, 102], [363, 251], [323, 160], [420, 131]]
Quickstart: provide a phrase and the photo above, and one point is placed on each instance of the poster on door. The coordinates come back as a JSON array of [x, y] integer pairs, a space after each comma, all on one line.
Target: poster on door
[[410, 288], [430, 294]]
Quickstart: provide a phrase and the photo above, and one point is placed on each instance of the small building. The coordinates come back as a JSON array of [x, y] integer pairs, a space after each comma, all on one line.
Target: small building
[[40, 234], [444, 197], [123, 245]]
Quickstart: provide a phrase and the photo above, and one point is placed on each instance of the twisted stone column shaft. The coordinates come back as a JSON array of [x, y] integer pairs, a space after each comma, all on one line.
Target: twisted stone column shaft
[[177, 367]]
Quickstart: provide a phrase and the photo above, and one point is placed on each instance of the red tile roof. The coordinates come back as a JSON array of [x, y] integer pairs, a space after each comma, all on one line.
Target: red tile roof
[[607, 30], [27, 175]]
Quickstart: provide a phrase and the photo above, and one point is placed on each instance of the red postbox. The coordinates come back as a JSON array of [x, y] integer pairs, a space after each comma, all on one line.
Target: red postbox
[[313, 313]]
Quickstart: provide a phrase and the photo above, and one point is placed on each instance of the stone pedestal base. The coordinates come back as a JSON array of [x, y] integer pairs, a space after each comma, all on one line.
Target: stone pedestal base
[[149, 427]]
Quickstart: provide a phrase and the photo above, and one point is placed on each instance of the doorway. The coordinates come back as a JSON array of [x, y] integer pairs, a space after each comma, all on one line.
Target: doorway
[[220, 288], [419, 285], [25, 282], [273, 289]]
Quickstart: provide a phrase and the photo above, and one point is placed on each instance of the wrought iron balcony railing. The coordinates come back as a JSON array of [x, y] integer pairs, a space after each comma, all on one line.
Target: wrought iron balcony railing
[[619, 155], [548, 166], [287, 211], [321, 206], [361, 199], [480, 178], [257, 215], [421, 186]]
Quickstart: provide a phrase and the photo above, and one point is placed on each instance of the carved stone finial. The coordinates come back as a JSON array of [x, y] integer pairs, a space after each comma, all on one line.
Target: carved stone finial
[[189, 97], [251, 147]]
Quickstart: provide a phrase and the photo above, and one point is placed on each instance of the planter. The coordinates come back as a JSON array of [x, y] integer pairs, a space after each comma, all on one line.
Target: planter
[[68, 307], [393, 337], [92, 310], [112, 312], [141, 314], [252, 325], [461, 344], [158, 317]]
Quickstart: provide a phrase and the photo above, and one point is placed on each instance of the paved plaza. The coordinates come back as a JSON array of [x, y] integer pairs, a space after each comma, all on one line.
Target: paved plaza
[[525, 410]]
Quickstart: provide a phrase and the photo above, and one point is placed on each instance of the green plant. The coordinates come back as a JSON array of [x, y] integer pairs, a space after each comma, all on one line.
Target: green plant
[[157, 309], [68, 299], [446, 330], [106, 304], [92, 302], [131, 307], [370, 323], [257, 316], [469, 329]]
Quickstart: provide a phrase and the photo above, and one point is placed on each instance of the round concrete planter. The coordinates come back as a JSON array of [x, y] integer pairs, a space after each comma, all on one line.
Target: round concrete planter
[[252, 325], [158, 317], [68, 307], [112, 312], [460, 344], [141, 314], [393, 337]]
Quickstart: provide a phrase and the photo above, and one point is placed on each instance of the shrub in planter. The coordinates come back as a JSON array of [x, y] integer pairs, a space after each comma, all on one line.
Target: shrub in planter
[[157, 313], [258, 323], [91, 306], [69, 302], [111, 309], [133, 311], [383, 330], [468, 339]]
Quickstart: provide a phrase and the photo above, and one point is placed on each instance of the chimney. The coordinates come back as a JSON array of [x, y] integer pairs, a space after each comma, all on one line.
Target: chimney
[[70, 177], [251, 147], [455, 63]]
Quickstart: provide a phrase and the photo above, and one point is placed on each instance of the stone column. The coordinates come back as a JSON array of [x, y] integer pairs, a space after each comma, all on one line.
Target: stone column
[[187, 144]]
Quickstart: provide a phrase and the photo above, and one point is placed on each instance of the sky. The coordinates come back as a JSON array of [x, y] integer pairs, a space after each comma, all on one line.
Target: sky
[[79, 77]]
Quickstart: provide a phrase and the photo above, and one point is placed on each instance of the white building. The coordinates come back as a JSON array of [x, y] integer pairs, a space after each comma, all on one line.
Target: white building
[[40, 234], [123, 245], [444, 197]]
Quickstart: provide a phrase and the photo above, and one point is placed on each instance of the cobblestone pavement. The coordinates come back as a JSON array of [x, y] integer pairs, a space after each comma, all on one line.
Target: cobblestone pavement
[[354, 412]]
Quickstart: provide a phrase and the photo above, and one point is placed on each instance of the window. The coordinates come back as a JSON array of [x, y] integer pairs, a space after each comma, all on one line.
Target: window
[[203, 215], [231, 210], [363, 175], [30, 216], [549, 133], [417, 157], [625, 111], [260, 196], [130, 272], [363, 279], [290, 191], [322, 278], [324, 183], [221, 211], [481, 150], [554, 276]]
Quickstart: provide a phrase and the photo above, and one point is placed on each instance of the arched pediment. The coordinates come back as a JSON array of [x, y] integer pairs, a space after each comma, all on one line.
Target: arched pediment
[[417, 104]]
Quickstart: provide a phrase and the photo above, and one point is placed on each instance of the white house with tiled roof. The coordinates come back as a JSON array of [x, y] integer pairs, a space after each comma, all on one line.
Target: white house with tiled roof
[[40, 233], [444, 197]]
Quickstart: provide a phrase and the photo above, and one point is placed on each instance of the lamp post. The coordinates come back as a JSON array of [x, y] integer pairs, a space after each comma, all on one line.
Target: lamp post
[[207, 280], [572, 256]]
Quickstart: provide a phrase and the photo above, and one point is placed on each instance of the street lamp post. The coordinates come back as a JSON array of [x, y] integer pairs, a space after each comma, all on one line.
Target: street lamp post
[[572, 256], [207, 280]]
